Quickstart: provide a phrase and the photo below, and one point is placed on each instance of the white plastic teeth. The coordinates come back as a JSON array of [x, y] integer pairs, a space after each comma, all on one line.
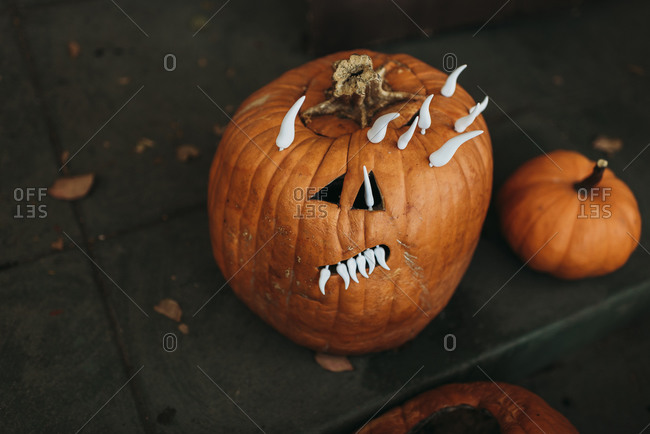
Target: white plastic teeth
[[406, 137], [352, 269], [370, 259], [380, 256], [424, 121], [325, 274], [377, 132], [367, 190], [342, 269], [361, 265], [462, 123], [357, 264], [442, 156], [287, 128], [482, 105], [450, 85]]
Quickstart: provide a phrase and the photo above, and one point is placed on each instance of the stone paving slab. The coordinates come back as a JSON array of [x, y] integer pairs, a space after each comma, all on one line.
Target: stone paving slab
[[118, 64], [150, 209], [30, 220], [59, 363], [620, 363], [534, 320]]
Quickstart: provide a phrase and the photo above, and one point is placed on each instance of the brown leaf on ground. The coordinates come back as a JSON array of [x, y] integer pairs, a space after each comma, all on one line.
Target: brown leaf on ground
[[185, 153], [123, 81], [71, 187], [57, 245], [333, 363], [202, 62], [143, 144], [74, 49], [218, 129], [184, 328], [609, 145], [170, 308]]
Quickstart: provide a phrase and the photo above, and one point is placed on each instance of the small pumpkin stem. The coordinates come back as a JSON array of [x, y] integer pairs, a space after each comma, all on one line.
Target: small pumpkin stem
[[595, 177], [358, 92]]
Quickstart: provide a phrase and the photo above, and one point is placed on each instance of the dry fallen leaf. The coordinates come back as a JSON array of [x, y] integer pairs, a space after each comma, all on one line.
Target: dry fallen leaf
[[187, 152], [71, 187], [58, 244], [143, 144], [609, 145], [123, 81], [333, 363], [170, 308], [218, 129], [74, 49], [184, 328]]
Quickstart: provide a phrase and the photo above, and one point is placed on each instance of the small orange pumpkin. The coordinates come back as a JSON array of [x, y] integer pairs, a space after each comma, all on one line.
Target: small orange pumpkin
[[308, 185], [482, 407], [568, 216]]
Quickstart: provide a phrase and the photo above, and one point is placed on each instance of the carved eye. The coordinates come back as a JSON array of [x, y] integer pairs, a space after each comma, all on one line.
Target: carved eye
[[360, 200], [331, 192]]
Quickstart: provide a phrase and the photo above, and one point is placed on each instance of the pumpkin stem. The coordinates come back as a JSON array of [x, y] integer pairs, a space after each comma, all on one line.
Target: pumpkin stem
[[594, 178], [358, 92]]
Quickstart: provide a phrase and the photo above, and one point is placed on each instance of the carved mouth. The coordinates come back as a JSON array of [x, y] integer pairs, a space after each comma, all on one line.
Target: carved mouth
[[364, 263]]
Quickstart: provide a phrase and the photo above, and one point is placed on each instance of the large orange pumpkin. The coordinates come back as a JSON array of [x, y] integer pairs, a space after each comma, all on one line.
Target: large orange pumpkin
[[279, 214], [568, 216], [470, 408]]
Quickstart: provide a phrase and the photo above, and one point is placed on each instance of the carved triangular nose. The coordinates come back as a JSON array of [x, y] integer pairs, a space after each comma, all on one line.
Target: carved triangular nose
[[369, 188]]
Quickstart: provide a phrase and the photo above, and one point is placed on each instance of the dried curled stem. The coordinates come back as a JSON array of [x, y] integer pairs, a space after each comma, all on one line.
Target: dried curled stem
[[594, 178], [358, 92]]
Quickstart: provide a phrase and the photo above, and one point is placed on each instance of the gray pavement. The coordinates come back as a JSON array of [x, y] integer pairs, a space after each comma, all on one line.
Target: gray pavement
[[80, 343]]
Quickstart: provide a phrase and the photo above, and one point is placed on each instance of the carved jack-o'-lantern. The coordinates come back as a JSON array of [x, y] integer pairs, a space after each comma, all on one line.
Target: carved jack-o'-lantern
[[481, 407], [343, 208]]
